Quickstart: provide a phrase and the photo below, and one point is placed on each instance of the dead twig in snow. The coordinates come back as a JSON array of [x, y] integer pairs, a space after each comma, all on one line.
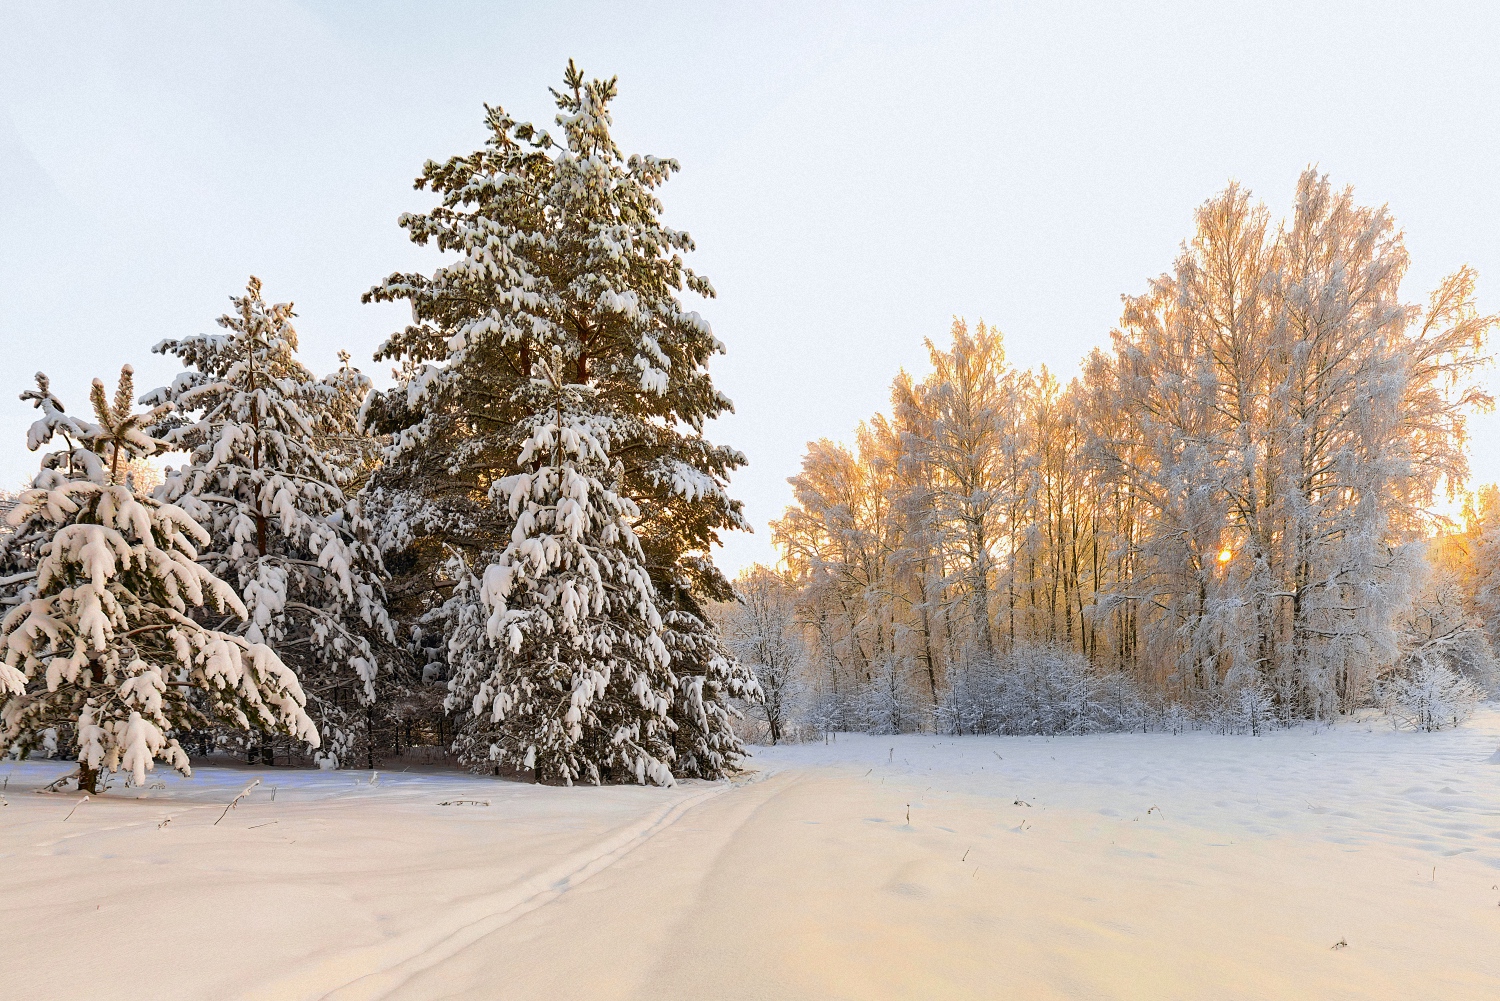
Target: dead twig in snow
[[85, 799], [1340, 944], [236, 801], [465, 802]]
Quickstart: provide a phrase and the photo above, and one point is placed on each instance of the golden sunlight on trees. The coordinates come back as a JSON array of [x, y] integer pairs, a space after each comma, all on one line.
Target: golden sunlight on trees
[[1238, 494]]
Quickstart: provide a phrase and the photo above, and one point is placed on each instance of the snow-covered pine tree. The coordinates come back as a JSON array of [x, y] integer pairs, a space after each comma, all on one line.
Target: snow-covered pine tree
[[100, 586], [334, 410], [569, 677], [562, 251], [270, 450]]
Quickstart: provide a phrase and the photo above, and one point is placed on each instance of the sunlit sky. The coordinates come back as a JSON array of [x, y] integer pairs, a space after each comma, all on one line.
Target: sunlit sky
[[854, 175]]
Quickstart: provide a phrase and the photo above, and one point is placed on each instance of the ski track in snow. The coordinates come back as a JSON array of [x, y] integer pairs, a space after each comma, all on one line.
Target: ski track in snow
[[1109, 866], [395, 962]]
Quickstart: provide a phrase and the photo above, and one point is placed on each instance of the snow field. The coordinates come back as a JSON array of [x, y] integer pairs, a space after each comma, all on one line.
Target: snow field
[[1112, 866]]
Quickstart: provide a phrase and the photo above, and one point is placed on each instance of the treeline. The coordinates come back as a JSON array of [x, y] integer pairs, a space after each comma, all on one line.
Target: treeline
[[1239, 495]]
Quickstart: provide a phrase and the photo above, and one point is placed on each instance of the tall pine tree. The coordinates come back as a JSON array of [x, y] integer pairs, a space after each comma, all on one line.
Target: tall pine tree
[[561, 255]]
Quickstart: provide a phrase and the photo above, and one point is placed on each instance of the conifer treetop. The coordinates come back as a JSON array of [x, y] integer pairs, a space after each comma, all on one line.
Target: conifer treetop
[[561, 251]]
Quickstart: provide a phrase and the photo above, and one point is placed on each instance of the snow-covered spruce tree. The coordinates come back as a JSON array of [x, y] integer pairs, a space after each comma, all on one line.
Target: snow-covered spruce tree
[[711, 685], [270, 450], [560, 251], [569, 677], [98, 637]]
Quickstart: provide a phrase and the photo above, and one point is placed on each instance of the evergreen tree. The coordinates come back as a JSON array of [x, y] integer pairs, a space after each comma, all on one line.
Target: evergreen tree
[[561, 254], [270, 449], [570, 677], [100, 639], [711, 682]]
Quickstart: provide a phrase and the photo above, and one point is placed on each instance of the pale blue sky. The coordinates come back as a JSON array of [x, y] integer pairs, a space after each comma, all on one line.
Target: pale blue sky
[[854, 175]]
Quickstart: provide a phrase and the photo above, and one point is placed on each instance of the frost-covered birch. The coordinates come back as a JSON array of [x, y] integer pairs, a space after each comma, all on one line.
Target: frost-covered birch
[[764, 633]]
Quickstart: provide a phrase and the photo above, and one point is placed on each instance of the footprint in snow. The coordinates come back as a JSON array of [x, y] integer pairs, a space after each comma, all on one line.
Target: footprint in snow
[[915, 890]]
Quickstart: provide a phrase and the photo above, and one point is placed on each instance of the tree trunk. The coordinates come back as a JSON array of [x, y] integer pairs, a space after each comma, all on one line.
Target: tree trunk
[[88, 779], [260, 519], [370, 735]]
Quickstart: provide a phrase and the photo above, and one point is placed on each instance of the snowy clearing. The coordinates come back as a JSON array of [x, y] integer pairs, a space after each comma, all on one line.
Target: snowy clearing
[[1113, 866]]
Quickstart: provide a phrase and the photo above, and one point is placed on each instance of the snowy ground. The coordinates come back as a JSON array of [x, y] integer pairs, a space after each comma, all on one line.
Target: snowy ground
[[1121, 866]]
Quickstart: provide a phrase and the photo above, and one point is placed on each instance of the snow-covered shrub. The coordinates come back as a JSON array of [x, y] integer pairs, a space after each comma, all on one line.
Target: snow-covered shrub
[[1177, 718], [968, 706], [1429, 696], [101, 585], [888, 702], [1439, 629], [826, 711], [1447, 664], [1248, 709], [1040, 690], [1122, 706]]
